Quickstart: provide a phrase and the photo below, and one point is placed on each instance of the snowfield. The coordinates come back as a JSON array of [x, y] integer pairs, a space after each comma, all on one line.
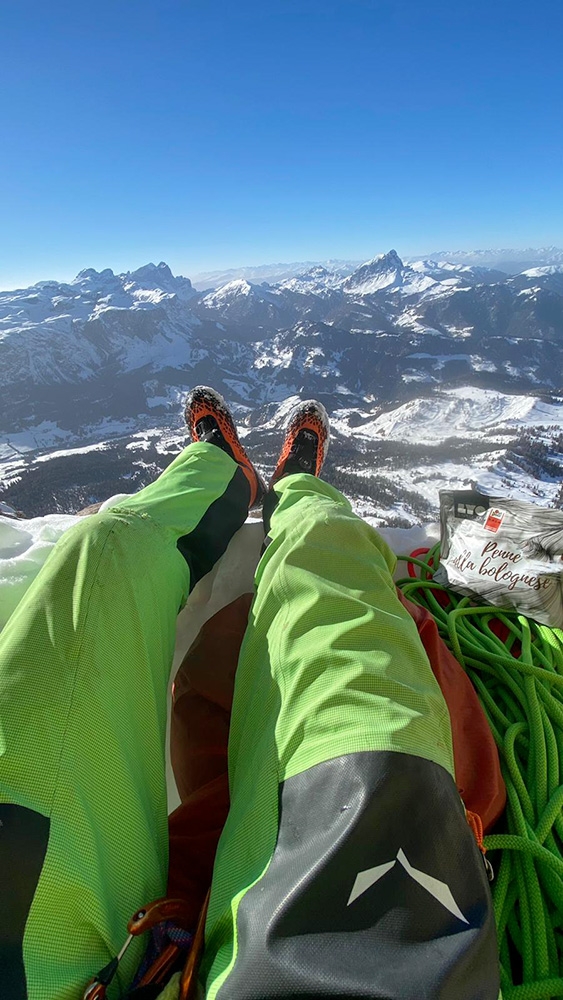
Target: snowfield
[[465, 412]]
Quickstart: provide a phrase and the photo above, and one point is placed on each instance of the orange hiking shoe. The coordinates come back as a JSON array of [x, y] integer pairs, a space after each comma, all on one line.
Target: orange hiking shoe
[[306, 441], [209, 419]]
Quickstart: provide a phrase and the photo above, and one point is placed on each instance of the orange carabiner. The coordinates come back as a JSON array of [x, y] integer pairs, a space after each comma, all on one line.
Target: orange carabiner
[[188, 979]]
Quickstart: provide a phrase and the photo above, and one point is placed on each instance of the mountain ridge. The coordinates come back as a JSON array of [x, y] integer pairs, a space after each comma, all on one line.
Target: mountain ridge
[[282, 271]]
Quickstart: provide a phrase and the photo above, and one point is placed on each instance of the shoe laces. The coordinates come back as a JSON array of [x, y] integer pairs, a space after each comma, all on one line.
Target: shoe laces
[[304, 451], [207, 430]]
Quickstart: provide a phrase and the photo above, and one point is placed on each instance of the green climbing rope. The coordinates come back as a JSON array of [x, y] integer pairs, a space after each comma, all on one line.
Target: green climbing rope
[[519, 681]]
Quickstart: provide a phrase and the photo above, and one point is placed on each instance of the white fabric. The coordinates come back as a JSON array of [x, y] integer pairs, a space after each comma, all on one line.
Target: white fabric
[[24, 547]]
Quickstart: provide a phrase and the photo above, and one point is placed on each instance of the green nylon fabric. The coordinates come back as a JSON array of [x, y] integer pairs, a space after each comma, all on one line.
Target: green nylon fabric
[[84, 667], [331, 664], [520, 685]]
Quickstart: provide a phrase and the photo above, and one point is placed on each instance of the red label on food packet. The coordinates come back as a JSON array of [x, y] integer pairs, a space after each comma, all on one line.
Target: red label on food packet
[[495, 517]]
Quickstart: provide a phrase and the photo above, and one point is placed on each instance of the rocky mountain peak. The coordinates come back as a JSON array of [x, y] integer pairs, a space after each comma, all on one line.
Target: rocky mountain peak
[[159, 277], [151, 272], [152, 269], [314, 273], [384, 261], [90, 274], [381, 272]]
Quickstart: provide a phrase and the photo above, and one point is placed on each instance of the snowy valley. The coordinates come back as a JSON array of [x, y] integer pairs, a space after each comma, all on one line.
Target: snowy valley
[[436, 373]]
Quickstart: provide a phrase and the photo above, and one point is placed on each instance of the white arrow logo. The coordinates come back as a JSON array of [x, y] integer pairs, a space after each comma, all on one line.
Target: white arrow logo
[[440, 891]]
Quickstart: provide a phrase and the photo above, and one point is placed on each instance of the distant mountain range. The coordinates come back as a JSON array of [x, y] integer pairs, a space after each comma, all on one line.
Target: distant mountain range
[[271, 273], [508, 261], [435, 371]]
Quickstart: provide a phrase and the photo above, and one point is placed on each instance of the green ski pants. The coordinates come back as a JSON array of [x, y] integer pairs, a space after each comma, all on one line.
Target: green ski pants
[[84, 668], [346, 867]]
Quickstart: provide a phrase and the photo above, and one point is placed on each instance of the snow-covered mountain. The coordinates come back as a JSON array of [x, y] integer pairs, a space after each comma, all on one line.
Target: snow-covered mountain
[[465, 360], [507, 261], [271, 273], [510, 261]]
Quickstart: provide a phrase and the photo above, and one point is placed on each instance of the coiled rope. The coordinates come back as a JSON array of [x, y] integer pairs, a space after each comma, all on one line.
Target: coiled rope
[[516, 666]]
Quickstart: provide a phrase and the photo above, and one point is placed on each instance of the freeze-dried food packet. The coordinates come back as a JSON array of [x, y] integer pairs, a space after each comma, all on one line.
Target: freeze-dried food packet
[[507, 552]]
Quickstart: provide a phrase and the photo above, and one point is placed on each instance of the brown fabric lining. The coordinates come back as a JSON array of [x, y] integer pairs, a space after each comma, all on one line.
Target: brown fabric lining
[[202, 701]]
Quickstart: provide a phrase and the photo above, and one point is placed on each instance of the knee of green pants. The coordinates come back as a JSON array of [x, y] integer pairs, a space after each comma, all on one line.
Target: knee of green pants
[[330, 642], [84, 665]]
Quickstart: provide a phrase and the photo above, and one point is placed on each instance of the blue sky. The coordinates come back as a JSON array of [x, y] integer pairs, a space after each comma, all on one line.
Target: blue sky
[[213, 133]]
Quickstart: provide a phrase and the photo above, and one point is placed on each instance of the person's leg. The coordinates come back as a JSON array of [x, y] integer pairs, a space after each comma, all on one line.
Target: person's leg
[[346, 867], [84, 665]]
